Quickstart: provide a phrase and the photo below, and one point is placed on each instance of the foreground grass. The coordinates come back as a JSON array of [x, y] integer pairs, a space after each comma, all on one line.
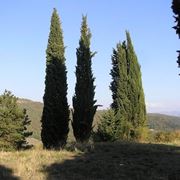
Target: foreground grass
[[105, 161], [29, 164]]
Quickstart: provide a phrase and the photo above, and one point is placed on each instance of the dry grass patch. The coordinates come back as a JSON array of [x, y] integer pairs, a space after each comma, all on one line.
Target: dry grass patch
[[29, 164], [101, 161]]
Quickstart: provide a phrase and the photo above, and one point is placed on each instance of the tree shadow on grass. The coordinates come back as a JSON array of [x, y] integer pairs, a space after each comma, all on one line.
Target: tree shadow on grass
[[122, 161], [7, 174]]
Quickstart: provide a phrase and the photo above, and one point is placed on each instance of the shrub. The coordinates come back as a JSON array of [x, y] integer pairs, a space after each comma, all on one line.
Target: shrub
[[141, 134], [110, 129], [106, 128], [167, 137]]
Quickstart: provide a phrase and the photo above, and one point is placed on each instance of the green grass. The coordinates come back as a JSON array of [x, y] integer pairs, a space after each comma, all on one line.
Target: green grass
[[102, 161]]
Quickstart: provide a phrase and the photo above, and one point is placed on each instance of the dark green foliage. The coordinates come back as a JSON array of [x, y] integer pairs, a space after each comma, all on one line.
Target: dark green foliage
[[114, 73], [13, 123], [83, 100], [106, 130], [55, 117], [119, 87], [128, 104], [137, 110], [176, 10], [119, 77]]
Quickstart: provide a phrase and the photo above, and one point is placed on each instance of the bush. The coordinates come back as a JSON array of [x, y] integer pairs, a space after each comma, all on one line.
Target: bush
[[166, 137], [110, 129], [141, 134], [106, 130]]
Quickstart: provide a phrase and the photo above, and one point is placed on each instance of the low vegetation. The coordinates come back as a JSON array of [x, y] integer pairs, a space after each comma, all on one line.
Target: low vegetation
[[30, 163], [172, 137]]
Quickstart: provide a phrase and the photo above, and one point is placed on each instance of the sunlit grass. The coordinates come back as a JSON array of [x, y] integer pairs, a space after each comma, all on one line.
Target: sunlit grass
[[29, 164]]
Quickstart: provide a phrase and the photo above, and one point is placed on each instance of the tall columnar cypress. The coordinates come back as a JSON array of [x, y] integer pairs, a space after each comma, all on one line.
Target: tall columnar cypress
[[55, 117], [122, 112], [83, 100], [176, 9], [119, 88], [135, 89], [127, 92]]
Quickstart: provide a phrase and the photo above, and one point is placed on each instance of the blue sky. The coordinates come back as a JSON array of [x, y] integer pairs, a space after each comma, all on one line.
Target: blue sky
[[24, 34]]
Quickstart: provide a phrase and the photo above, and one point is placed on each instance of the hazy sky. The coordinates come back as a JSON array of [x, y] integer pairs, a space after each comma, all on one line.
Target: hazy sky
[[24, 34]]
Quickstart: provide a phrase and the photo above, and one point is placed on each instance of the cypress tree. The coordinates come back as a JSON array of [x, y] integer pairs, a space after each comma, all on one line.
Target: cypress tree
[[128, 105], [118, 72], [55, 116], [137, 110], [119, 88], [83, 100], [122, 112]]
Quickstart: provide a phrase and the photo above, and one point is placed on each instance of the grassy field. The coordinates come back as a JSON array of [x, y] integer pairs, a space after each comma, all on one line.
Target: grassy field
[[101, 161]]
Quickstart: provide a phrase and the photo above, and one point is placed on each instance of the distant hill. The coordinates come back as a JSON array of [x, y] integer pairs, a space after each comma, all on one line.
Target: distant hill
[[163, 122], [34, 111], [159, 122]]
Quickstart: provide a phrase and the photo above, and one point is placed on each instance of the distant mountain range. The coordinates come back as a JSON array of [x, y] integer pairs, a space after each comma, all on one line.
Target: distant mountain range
[[156, 121], [171, 113]]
